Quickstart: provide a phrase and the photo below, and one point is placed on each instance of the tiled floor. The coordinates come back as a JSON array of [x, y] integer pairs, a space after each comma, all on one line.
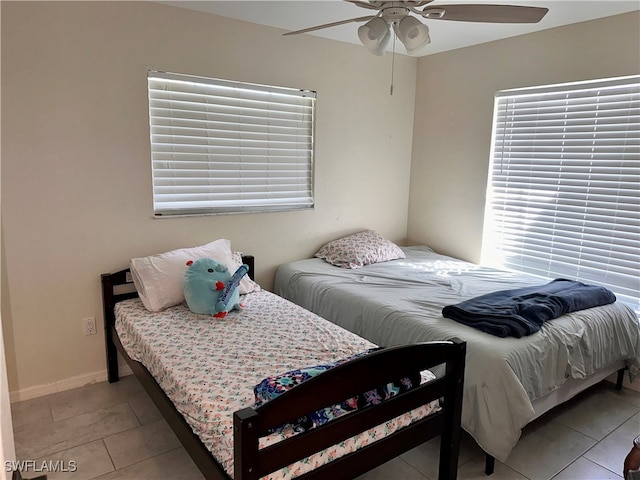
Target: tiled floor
[[113, 431]]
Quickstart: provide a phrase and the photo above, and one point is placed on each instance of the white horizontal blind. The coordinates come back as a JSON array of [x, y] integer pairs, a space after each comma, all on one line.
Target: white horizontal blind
[[563, 196], [225, 147]]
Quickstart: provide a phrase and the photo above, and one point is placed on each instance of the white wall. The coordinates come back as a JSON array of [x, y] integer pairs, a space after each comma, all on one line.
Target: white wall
[[454, 110], [76, 178]]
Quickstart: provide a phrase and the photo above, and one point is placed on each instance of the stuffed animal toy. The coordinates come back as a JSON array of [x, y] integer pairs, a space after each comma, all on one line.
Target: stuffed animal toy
[[209, 287]]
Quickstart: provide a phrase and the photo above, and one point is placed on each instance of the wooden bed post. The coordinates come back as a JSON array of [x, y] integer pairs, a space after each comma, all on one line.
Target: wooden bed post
[[109, 300], [109, 320], [450, 437], [245, 444], [250, 261]]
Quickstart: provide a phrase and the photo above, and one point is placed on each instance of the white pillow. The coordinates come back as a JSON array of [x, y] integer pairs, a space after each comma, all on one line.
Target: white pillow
[[158, 278]]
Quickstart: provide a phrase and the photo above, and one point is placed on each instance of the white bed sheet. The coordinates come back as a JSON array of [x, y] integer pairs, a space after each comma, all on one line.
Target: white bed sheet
[[208, 367], [400, 301]]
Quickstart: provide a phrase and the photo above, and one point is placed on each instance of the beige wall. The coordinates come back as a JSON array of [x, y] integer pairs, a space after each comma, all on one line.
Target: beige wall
[[76, 179], [454, 110], [7, 445]]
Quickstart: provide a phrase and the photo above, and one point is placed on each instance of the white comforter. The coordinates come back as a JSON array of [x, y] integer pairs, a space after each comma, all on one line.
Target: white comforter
[[401, 302]]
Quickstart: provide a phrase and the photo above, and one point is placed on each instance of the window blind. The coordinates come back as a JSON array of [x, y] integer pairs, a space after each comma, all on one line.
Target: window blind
[[219, 146], [563, 197]]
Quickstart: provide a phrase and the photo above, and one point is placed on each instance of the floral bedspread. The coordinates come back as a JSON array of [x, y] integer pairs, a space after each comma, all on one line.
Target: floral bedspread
[[208, 367]]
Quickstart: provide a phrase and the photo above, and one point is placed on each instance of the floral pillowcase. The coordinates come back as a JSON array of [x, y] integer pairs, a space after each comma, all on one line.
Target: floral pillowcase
[[360, 249]]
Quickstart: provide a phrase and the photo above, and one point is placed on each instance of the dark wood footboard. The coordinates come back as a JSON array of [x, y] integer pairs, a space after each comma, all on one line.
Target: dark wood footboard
[[343, 382]]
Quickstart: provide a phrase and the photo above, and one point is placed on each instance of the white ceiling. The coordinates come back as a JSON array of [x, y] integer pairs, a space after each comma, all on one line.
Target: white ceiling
[[445, 35]]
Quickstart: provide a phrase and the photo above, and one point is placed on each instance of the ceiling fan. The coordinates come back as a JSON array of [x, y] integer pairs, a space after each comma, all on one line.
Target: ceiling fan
[[375, 34]]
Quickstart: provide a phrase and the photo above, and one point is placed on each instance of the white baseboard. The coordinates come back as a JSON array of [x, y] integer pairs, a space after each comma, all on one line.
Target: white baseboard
[[62, 385]]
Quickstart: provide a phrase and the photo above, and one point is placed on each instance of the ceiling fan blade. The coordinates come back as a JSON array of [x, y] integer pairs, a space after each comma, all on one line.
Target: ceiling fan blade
[[363, 4], [333, 24], [485, 13]]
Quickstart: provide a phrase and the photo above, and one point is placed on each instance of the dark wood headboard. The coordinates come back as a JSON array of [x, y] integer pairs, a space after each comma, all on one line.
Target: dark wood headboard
[[118, 286]]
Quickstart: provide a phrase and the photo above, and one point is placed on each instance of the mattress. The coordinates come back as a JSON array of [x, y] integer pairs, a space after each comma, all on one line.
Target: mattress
[[401, 301], [208, 367]]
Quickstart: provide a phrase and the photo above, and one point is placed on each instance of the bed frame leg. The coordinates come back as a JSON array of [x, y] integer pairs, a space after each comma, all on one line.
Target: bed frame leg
[[450, 437], [489, 464], [620, 378], [113, 375]]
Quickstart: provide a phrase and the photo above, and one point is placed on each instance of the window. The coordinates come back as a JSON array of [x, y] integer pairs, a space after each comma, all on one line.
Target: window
[[227, 147], [563, 197]]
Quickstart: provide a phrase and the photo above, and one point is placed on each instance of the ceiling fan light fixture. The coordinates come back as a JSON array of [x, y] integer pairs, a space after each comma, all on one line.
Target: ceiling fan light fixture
[[375, 35], [413, 34]]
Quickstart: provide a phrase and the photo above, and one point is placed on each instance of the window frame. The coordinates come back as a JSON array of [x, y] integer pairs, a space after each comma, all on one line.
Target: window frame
[[224, 147]]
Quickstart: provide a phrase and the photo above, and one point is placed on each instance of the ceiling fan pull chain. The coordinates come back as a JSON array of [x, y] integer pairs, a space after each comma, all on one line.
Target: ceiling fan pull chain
[[393, 64]]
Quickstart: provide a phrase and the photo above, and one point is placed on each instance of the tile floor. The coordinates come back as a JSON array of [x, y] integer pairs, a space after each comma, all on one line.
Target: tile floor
[[113, 431]]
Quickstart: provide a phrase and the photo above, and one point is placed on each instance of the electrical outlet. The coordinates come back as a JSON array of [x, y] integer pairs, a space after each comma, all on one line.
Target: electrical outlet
[[89, 324]]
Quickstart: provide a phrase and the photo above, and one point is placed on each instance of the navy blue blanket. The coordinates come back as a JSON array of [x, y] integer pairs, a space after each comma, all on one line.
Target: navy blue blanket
[[519, 312]]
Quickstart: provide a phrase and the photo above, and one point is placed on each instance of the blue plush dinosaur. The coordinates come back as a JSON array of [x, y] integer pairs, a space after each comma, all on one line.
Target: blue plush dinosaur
[[209, 287]]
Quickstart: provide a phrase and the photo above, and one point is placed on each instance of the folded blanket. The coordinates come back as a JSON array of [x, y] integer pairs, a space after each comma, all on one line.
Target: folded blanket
[[519, 312]]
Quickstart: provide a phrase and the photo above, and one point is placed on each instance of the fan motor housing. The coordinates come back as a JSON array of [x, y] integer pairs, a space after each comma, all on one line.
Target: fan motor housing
[[394, 14]]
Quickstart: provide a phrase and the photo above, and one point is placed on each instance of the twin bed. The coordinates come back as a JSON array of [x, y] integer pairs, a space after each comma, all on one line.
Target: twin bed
[[200, 372], [508, 381]]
